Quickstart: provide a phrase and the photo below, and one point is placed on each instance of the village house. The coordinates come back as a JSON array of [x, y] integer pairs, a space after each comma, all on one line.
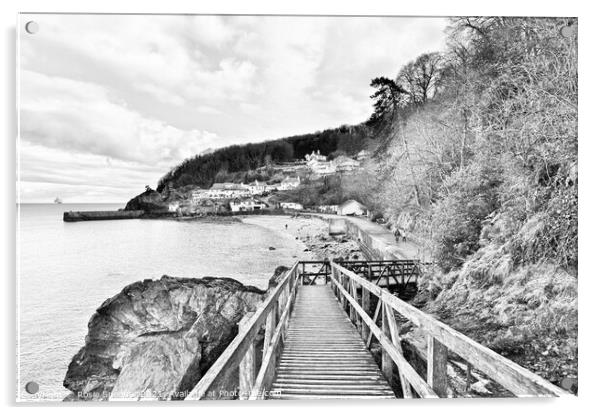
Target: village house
[[362, 155], [328, 209], [315, 156], [258, 188], [318, 164], [321, 167], [246, 205], [352, 208], [345, 164], [291, 206], [288, 183], [228, 191], [199, 195]]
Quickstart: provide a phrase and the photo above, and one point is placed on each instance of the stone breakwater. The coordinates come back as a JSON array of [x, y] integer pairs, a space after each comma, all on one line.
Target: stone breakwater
[[156, 338], [78, 216]]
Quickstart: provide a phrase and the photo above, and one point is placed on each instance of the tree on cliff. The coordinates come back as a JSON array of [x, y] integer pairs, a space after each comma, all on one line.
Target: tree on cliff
[[388, 97], [420, 78]]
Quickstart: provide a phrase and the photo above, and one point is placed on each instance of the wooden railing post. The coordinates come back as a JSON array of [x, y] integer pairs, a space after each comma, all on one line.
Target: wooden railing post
[[353, 292], [344, 287], [246, 368], [270, 324], [366, 308], [386, 361], [392, 323], [437, 366]]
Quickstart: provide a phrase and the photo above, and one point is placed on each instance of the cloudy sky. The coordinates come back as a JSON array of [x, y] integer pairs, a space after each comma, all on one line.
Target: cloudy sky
[[108, 104]]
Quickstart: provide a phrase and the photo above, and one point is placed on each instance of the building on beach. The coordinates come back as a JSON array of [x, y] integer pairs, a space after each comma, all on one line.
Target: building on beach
[[246, 205], [328, 209], [352, 208], [291, 206]]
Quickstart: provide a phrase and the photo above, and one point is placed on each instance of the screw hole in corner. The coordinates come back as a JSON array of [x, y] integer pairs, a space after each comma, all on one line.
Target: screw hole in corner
[[31, 27]]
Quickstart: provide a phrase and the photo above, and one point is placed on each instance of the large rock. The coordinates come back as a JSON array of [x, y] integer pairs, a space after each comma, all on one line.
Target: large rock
[[149, 201], [156, 338]]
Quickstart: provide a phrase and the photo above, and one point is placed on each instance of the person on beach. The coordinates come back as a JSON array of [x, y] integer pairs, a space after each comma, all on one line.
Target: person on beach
[[286, 226], [396, 233], [403, 235]]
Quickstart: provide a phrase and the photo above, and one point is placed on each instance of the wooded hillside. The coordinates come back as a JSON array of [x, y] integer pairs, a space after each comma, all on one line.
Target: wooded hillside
[[203, 170]]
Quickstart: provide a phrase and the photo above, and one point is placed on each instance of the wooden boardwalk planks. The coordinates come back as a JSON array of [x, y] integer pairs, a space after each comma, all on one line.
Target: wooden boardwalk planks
[[324, 356]]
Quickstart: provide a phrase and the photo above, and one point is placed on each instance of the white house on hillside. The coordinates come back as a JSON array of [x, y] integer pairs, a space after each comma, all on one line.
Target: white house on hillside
[[352, 208], [258, 188], [322, 167], [228, 191], [362, 155], [198, 195], [288, 183], [315, 156], [346, 164]]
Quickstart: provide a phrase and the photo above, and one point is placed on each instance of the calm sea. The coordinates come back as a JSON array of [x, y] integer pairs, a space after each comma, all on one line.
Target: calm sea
[[68, 269]]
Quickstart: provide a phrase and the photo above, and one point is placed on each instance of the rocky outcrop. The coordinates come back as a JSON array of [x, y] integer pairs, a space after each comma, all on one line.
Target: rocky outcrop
[[156, 338], [149, 201]]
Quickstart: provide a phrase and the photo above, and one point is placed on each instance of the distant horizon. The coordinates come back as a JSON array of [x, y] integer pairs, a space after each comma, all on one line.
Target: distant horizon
[[103, 113], [71, 203]]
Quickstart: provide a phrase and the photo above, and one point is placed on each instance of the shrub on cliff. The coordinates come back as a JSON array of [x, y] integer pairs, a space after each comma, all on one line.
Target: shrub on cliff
[[457, 218]]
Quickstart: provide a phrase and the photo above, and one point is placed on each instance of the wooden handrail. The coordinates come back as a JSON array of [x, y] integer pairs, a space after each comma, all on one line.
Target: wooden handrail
[[414, 378], [270, 356], [242, 347], [510, 375]]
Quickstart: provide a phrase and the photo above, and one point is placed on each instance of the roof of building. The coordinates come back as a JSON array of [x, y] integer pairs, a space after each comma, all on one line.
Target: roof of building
[[227, 186], [290, 180], [351, 202]]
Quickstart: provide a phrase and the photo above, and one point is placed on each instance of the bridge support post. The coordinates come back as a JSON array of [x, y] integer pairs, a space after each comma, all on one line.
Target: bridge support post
[[437, 366]]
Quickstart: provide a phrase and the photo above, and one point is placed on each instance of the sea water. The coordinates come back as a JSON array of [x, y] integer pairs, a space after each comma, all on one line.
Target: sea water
[[66, 270]]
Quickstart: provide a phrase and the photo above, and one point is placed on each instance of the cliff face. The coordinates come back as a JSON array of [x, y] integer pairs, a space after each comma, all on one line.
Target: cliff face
[[156, 338], [148, 201]]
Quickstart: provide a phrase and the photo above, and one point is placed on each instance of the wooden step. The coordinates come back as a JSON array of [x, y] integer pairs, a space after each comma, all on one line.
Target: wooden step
[[324, 356]]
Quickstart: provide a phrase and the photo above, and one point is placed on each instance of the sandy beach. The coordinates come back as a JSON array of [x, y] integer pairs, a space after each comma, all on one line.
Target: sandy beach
[[312, 233]]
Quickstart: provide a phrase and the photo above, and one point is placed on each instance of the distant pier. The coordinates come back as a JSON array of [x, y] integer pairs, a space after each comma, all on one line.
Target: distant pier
[[78, 216]]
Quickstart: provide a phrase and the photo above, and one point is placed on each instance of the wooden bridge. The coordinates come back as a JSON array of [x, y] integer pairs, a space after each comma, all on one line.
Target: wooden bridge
[[312, 338]]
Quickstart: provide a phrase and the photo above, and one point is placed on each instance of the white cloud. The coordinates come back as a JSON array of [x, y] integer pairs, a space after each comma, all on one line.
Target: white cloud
[[87, 118]]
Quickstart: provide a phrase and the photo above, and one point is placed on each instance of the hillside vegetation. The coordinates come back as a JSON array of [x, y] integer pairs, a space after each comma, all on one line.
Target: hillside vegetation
[[228, 163], [479, 161]]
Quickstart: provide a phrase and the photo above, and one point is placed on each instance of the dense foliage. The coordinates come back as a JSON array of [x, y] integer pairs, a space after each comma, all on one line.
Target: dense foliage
[[488, 131]]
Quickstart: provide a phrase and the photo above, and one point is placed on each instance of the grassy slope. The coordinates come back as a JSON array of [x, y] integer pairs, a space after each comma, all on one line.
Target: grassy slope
[[526, 312]]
